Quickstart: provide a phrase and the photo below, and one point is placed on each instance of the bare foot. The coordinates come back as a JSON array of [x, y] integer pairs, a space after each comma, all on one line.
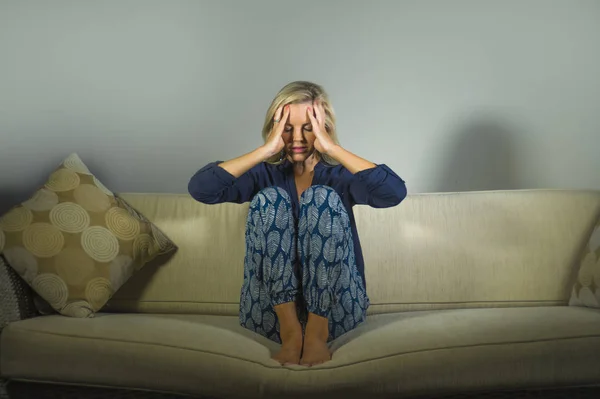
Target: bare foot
[[291, 349], [315, 341], [315, 352], [290, 332]]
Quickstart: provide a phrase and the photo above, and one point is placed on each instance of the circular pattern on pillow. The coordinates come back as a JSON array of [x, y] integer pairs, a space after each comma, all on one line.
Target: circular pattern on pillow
[[52, 288], [91, 198], [69, 217], [99, 243], [144, 249], [43, 240], [17, 219], [43, 200], [79, 309], [161, 239], [63, 180], [122, 224], [98, 291], [75, 163]]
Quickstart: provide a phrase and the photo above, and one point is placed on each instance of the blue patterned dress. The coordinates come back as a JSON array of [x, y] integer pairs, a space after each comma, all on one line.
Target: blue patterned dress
[[301, 250]]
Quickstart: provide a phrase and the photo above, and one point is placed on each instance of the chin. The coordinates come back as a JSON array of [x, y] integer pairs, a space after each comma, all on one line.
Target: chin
[[299, 157]]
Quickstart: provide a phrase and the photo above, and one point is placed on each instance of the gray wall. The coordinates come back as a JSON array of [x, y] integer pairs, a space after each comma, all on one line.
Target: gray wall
[[453, 95]]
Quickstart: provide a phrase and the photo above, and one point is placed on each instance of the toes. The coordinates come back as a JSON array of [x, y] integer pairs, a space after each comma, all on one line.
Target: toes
[[305, 363], [287, 360], [308, 363], [281, 361]]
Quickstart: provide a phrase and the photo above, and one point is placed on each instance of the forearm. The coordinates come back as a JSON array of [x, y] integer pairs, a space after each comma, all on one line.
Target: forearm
[[350, 161], [240, 165]]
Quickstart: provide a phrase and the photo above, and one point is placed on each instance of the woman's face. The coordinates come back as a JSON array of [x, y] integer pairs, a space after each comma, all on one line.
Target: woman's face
[[298, 134]]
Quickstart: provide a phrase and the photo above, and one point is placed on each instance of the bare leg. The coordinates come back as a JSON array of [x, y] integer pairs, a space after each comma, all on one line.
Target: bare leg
[[315, 349], [290, 332]]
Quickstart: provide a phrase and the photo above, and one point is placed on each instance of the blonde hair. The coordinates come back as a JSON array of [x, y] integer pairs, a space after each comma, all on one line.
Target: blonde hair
[[300, 92]]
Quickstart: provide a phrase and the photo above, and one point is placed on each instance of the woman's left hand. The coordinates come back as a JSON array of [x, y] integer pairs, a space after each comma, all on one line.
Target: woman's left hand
[[323, 143]]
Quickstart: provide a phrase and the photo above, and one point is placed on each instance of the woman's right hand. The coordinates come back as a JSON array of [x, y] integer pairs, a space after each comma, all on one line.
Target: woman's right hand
[[240, 165], [275, 142]]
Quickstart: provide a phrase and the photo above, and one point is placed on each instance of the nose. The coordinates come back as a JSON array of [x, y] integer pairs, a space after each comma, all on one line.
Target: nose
[[298, 135]]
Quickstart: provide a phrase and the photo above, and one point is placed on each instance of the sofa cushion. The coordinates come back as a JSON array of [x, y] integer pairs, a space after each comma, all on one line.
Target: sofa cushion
[[586, 291], [416, 352], [434, 251], [75, 242]]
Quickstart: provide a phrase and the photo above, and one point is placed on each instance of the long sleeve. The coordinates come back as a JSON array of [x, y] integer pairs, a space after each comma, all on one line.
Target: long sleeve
[[213, 185], [378, 187]]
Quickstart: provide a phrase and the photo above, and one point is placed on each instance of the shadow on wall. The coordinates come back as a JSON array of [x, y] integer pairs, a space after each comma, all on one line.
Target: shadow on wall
[[14, 194], [481, 158], [11, 197]]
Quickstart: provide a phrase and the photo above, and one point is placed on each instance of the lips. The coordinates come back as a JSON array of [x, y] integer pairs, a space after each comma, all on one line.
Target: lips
[[298, 149]]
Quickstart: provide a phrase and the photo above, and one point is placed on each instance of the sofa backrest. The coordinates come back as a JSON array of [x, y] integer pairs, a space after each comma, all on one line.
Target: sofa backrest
[[433, 251]]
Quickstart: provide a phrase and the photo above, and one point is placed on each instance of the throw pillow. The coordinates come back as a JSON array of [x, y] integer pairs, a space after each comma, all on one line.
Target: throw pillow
[[586, 291], [76, 243]]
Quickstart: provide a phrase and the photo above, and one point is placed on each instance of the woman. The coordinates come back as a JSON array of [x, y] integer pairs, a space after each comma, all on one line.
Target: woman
[[304, 282]]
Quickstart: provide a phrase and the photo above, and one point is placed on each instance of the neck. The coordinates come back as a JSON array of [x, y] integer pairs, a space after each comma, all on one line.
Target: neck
[[306, 166]]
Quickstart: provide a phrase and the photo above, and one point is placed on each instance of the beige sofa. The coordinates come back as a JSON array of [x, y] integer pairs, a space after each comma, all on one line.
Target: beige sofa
[[469, 293]]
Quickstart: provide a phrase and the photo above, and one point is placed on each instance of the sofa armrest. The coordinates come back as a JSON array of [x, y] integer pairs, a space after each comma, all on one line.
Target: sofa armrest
[[16, 297]]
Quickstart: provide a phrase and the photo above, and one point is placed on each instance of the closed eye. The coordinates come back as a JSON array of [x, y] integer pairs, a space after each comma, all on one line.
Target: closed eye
[[307, 127]]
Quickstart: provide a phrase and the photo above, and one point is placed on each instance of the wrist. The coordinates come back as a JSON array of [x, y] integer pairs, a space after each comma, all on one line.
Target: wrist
[[334, 151], [264, 152]]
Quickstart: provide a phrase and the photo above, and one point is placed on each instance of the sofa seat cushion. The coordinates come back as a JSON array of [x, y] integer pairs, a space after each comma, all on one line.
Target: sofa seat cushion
[[417, 352]]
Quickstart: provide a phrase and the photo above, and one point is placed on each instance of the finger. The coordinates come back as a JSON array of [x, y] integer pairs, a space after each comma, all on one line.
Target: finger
[[313, 120], [319, 115], [277, 116], [283, 120], [322, 111], [313, 111]]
